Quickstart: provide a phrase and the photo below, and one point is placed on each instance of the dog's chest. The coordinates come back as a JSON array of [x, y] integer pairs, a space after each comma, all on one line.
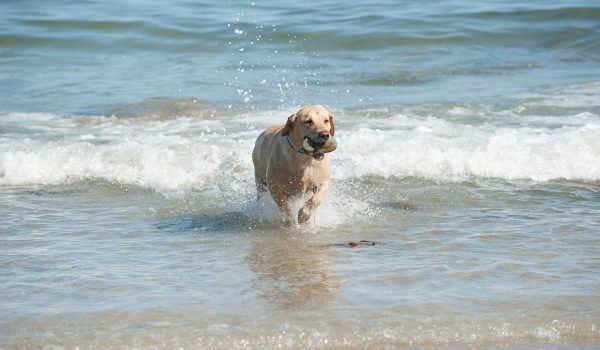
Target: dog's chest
[[299, 180], [311, 177]]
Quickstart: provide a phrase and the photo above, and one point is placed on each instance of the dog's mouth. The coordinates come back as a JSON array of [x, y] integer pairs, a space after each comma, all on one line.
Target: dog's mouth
[[317, 147]]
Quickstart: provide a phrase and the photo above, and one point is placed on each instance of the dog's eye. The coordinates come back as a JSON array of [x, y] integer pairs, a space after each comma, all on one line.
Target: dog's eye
[[326, 121], [308, 121]]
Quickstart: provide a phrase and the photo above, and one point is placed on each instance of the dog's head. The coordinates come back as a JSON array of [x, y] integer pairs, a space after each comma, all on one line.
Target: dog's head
[[312, 122]]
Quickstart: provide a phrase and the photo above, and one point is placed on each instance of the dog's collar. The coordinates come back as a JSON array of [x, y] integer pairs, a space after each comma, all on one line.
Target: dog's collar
[[299, 150]]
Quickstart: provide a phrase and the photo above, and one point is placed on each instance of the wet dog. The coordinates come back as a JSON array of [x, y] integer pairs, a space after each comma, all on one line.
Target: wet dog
[[291, 160]]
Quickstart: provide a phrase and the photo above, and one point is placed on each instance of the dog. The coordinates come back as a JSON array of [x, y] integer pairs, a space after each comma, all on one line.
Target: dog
[[291, 160]]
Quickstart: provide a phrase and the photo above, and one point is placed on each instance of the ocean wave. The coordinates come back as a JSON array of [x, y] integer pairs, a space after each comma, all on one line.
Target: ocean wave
[[439, 150], [156, 154], [198, 152]]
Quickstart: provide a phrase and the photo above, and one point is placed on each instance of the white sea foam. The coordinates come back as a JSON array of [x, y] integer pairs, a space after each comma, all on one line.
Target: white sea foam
[[168, 154], [336, 209], [181, 153], [435, 149]]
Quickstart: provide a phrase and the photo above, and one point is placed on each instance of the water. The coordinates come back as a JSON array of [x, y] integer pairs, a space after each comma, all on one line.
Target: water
[[468, 151]]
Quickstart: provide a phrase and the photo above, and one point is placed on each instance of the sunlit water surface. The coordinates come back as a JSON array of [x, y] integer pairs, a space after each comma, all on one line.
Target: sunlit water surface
[[468, 161]]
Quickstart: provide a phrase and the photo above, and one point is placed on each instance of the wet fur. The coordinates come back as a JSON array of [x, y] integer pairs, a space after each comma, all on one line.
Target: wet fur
[[284, 172]]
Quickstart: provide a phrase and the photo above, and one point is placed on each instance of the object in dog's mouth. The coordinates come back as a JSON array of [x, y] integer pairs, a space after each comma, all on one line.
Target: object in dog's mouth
[[317, 149]]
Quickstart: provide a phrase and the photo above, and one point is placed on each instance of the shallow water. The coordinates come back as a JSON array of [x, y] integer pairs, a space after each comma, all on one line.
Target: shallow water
[[468, 156], [487, 263]]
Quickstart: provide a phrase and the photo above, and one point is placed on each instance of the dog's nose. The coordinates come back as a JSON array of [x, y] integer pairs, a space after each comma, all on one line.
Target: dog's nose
[[324, 134]]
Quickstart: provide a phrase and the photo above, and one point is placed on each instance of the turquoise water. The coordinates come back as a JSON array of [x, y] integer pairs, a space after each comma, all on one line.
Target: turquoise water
[[83, 57], [468, 152]]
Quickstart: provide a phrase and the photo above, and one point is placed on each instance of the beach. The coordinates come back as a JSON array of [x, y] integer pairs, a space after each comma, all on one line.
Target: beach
[[468, 160]]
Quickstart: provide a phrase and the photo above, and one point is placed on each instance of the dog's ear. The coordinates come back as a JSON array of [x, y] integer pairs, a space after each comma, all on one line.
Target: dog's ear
[[288, 126], [331, 125]]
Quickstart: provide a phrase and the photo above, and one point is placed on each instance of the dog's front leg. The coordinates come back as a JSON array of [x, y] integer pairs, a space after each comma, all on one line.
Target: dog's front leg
[[281, 199], [312, 203], [261, 185]]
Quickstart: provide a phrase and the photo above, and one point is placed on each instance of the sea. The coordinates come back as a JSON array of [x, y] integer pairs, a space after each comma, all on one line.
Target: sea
[[464, 207]]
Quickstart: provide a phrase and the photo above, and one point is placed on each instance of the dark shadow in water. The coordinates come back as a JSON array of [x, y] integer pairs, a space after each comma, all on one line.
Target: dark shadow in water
[[51, 193], [354, 244], [292, 271], [499, 214], [405, 206]]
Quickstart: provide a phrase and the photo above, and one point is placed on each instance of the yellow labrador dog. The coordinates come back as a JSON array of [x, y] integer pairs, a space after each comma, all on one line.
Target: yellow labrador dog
[[291, 161]]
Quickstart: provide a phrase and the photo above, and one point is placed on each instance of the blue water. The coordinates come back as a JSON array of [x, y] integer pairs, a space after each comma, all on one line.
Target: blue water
[[468, 152], [83, 57]]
